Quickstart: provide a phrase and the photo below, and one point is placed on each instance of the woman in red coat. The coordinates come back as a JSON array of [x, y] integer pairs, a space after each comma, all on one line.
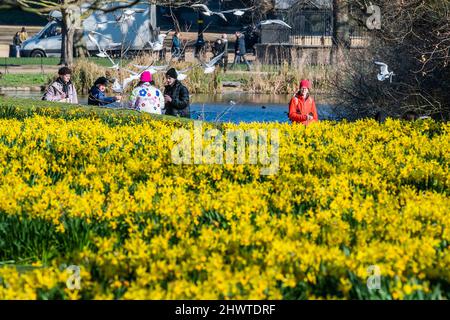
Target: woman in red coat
[[302, 108]]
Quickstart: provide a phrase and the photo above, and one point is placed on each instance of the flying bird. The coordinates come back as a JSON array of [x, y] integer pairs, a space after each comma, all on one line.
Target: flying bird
[[120, 88], [128, 15], [182, 73], [131, 12], [102, 52], [152, 69], [384, 72], [207, 12], [209, 67], [237, 12], [277, 21], [158, 45]]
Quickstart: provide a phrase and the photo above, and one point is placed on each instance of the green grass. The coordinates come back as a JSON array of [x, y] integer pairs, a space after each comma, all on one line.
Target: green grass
[[29, 61], [19, 80], [49, 61]]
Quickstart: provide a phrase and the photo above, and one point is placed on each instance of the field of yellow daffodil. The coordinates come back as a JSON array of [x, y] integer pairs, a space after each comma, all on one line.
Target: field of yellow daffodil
[[105, 196]]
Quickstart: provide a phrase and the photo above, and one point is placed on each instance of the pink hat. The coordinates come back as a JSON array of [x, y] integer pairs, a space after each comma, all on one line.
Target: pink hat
[[305, 84], [146, 76]]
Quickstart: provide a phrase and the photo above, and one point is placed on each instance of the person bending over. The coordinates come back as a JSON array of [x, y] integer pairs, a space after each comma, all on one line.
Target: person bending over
[[97, 95]]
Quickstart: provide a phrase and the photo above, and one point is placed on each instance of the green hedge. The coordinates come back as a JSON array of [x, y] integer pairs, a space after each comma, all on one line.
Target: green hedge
[[18, 108]]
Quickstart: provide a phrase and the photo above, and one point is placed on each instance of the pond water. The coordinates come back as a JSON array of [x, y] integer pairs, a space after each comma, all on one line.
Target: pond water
[[230, 107]]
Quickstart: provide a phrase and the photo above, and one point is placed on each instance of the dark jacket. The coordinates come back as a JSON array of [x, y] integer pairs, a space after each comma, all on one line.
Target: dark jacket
[[98, 98], [16, 40], [239, 45], [179, 106], [176, 45], [217, 48]]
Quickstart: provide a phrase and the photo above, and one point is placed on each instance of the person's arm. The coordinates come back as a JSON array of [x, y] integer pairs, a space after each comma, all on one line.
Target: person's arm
[[109, 100], [294, 116], [101, 98], [50, 94], [314, 109], [182, 101]]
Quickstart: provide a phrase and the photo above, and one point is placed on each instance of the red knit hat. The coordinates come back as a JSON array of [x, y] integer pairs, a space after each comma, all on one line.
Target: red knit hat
[[305, 84], [146, 76]]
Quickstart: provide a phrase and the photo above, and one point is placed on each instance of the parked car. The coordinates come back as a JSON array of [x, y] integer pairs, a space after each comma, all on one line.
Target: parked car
[[134, 35]]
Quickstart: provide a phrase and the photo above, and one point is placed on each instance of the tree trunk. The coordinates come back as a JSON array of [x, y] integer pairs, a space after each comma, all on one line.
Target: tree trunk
[[341, 32], [79, 41], [69, 19]]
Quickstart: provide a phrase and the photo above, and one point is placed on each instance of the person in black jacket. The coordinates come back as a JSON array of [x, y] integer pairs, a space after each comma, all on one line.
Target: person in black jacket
[[176, 96], [240, 50]]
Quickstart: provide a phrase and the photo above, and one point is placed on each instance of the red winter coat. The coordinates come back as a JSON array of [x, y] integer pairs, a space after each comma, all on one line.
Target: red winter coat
[[299, 108]]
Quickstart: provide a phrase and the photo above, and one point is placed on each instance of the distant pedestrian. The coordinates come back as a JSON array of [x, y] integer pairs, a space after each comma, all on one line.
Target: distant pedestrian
[[221, 46], [17, 43], [97, 95], [146, 97], [199, 46], [240, 50], [302, 108], [217, 47], [176, 45], [62, 90], [224, 61], [23, 35]]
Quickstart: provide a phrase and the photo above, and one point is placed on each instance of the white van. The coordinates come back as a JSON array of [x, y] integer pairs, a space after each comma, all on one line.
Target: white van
[[133, 35]]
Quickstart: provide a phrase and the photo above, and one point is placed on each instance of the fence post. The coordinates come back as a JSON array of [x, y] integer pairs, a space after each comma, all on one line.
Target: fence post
[[42, 66], [6, 66]]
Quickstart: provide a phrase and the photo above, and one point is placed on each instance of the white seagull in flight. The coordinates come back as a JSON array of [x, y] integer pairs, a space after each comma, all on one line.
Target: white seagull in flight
[[384, 72], [209, 67], [102, 52], [237, 12], [158, 45], [151, 69], [207, 12], [277, 21]]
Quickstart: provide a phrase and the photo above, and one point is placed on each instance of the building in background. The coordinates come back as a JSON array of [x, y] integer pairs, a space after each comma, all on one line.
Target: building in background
[[309, 40]]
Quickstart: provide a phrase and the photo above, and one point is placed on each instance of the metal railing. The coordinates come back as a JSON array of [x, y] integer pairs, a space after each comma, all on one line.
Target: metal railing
[[282, 35]]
